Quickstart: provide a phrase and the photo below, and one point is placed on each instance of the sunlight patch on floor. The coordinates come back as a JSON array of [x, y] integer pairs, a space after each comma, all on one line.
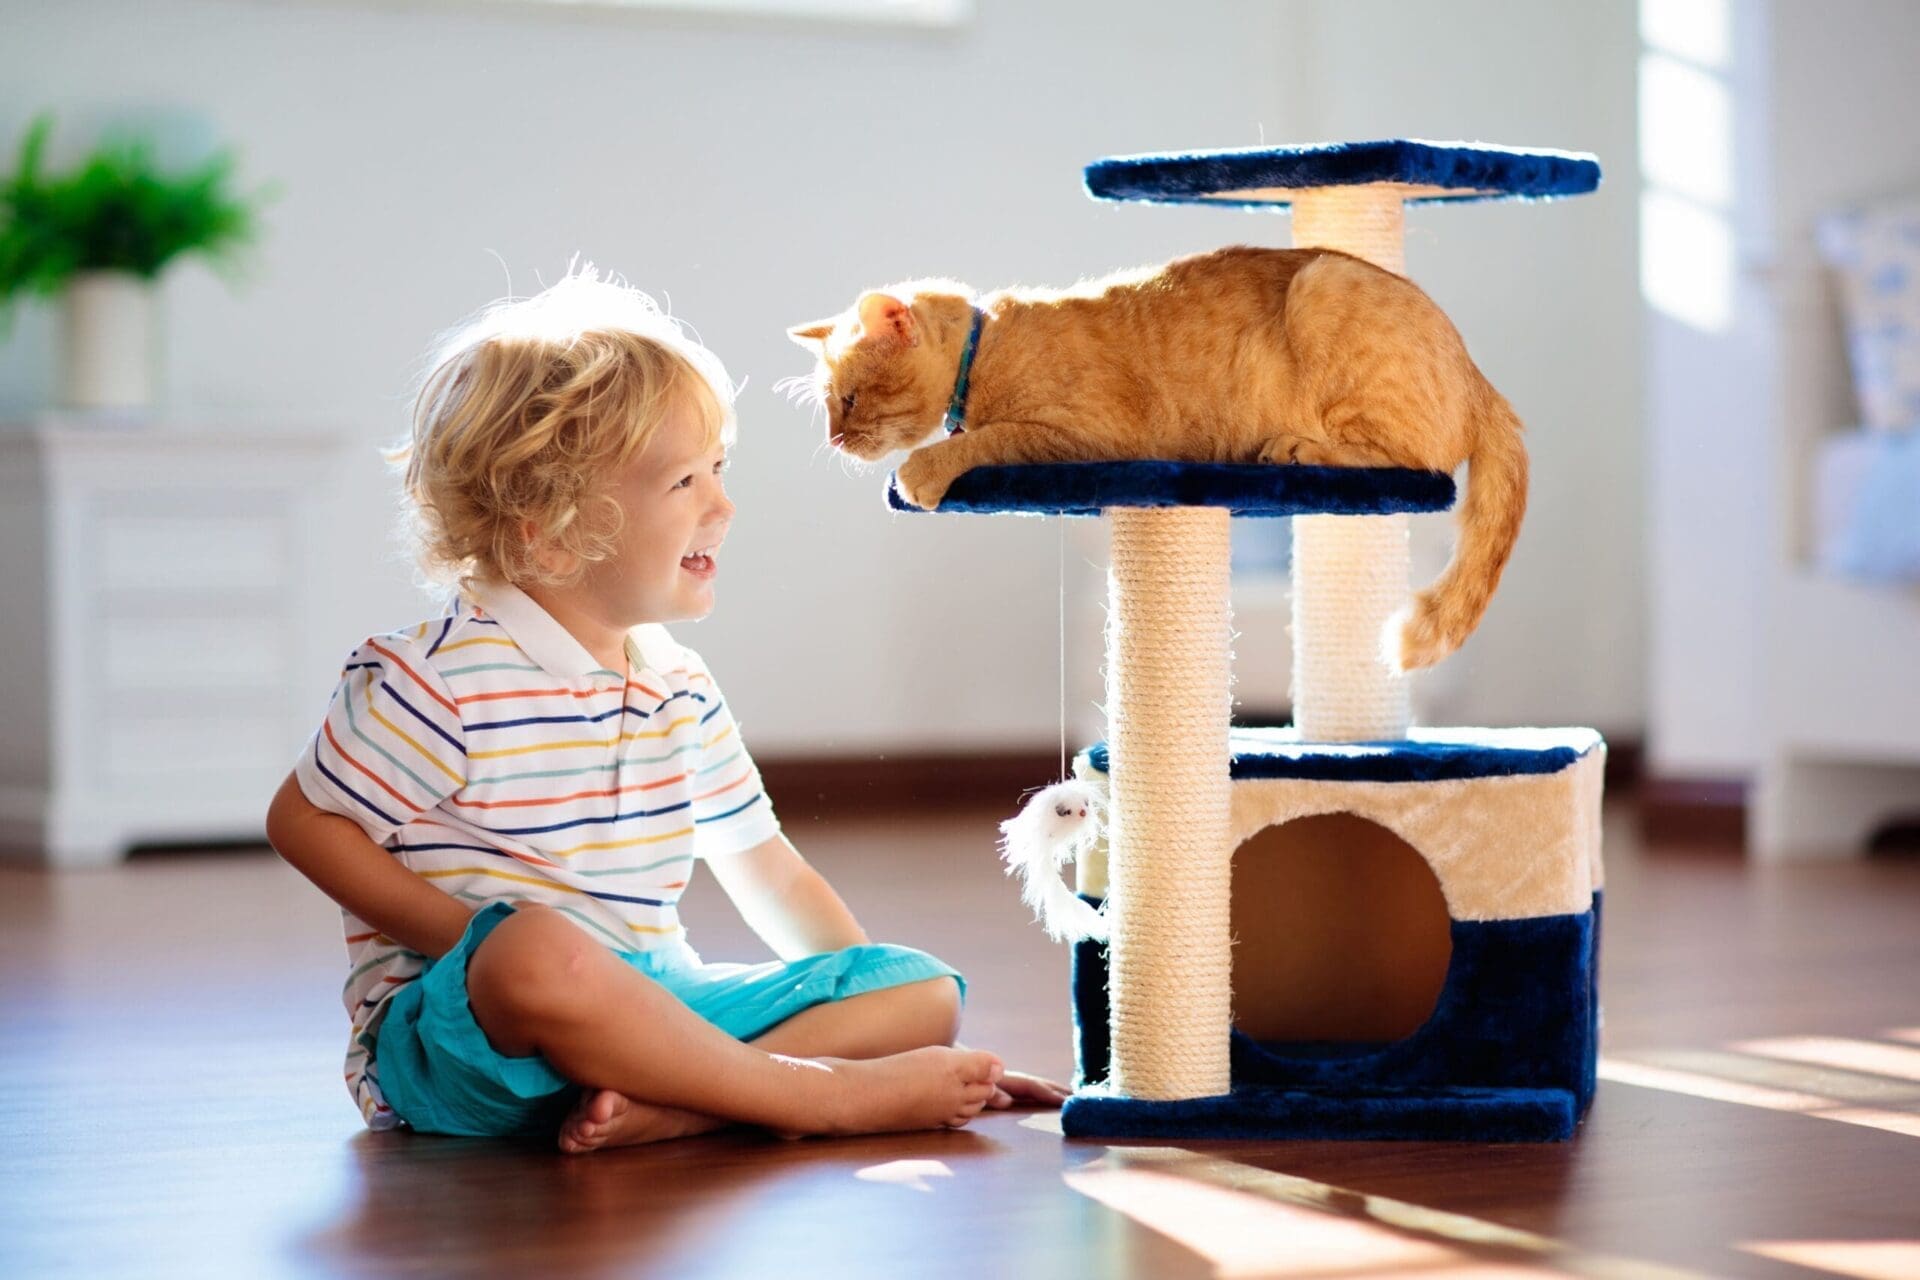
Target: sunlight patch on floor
[[1743, 1093], [1858, 1259], [912, 1174], [1835, 1085], [1838, 1051], [1247, 1221]]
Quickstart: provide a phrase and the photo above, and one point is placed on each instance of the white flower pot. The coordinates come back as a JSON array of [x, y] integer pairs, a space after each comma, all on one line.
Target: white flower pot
[[111, 347]]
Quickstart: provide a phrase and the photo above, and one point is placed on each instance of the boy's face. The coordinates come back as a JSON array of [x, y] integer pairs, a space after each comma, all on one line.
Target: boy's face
[[677, 514]]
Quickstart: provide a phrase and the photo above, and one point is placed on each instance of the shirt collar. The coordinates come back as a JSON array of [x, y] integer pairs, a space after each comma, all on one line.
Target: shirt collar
[[551, 645], [653, 648]]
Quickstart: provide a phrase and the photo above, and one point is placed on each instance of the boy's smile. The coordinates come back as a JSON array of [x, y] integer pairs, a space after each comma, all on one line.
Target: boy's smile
[[674, 516]]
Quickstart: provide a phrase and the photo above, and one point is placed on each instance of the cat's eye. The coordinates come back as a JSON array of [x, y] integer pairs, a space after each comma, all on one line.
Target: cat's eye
[[846, 401]]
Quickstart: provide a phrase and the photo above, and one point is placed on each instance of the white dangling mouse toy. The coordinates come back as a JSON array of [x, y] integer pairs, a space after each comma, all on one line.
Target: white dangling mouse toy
[[1056, 826]]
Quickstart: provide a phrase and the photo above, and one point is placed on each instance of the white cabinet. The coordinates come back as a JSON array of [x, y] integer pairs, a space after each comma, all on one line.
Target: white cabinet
[[157, 667]]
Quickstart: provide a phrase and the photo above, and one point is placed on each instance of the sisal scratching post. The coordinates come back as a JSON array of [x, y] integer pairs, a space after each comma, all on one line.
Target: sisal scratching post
[[1169, 834], [1350, 573]]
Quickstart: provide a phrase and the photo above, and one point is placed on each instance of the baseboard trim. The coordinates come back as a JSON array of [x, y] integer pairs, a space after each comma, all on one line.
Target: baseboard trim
[[892, 782], [1691, 810]]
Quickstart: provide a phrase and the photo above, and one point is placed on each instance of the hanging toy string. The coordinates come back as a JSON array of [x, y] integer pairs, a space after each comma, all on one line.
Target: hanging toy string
[[1062, 524], [1057, 825]]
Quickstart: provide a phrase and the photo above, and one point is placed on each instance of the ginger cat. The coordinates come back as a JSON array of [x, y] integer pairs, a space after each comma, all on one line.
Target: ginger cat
[[1240, 355]]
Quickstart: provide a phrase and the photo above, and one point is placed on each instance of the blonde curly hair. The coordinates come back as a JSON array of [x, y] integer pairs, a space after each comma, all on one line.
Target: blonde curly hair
[[526, 416]]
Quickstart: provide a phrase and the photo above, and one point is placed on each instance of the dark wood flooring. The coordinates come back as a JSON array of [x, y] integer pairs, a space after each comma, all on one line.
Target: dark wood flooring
[[170, 1104]]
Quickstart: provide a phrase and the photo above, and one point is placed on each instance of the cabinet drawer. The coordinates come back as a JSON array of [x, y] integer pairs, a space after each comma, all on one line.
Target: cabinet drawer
[[154, 746], [213, 653], [164, 552]]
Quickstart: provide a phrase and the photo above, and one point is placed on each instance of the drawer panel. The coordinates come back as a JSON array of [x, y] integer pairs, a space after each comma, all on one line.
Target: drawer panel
[[178, 746], [156, 552], [195, 653]]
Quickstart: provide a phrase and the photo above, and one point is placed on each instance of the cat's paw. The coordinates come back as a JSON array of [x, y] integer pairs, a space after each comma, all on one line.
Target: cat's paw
[[922, 482], [1293, 450]]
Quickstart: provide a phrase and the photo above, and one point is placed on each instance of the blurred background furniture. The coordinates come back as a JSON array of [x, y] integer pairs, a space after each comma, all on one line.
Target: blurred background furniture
[[1843, 634], [158, 634]]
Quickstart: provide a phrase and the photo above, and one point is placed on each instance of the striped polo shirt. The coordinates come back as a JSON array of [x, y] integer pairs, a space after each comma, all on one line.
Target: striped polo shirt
[[494, 756]]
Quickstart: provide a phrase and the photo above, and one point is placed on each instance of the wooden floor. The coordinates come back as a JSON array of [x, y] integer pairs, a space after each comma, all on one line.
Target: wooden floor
[[170, 1104]]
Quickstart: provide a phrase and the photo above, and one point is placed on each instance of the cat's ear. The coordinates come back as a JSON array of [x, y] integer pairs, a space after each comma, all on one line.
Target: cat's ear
[[883, 315], [808, 335]]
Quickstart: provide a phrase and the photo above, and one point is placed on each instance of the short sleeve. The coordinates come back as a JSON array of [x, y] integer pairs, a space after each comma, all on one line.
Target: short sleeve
[[391, 746], [731, 812]]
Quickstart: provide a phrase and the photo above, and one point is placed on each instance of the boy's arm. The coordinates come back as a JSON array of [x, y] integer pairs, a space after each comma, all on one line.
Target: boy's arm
[[789, 904], [361, 876]]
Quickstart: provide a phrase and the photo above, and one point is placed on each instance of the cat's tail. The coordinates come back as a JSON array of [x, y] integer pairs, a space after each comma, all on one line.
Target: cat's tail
[[1445, 614]]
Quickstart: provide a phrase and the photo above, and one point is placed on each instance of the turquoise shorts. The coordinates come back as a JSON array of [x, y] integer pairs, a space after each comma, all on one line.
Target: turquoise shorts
[[440, 1074]]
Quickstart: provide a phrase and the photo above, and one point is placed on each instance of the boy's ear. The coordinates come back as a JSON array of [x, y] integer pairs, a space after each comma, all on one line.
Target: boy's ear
[[883, 315], [809, 334]]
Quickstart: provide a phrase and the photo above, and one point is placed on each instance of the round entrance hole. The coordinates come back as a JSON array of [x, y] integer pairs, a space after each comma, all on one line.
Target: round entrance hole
[[1341, 934]]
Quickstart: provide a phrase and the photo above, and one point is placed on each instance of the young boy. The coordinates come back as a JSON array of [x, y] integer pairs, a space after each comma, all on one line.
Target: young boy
[[507, 801]]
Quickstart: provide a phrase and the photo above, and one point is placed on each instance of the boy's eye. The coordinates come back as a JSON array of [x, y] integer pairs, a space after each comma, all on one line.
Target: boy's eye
[[684, 482]]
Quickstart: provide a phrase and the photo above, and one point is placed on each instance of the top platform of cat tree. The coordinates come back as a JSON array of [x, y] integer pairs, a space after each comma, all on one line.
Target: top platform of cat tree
[[1091, 488], [1268, 177]]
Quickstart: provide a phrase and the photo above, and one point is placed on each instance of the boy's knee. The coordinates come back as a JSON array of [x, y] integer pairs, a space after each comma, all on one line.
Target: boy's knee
[[536, 961], [936, 1003]]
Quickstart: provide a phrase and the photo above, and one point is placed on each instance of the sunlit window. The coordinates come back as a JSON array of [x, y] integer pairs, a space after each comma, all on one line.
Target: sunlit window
[[1696, 30], [1687, 161], [1686, 260]]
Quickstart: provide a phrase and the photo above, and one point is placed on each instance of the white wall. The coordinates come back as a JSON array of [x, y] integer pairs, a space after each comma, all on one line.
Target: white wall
[[758, 174]]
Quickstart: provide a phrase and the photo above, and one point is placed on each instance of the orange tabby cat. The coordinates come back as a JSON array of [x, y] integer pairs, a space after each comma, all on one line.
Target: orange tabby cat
[[1240, 355]]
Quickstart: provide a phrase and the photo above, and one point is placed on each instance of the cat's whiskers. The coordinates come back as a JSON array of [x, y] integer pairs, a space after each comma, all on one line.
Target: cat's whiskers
[[803, 388], [818, 447]]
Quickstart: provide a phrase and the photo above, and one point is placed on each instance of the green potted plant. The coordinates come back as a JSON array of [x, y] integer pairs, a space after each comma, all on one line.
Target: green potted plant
[[99, 237]]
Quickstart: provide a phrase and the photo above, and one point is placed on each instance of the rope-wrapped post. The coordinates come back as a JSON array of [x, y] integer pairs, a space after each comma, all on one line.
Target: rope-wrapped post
[[1350, 573], [1169, 837]]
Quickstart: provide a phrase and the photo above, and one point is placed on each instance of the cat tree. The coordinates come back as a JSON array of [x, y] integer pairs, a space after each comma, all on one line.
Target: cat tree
[[1349, 927]]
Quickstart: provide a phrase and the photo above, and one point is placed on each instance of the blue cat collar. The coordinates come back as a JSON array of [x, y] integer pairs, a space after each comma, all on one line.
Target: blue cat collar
[[957, 407]]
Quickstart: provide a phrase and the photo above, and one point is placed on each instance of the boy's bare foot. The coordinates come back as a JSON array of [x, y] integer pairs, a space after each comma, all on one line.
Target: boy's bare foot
[[603, 1118], [930, 1088]]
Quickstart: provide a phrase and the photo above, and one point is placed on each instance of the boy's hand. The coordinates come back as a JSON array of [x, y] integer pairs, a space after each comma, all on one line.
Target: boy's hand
[[1019, 1088]]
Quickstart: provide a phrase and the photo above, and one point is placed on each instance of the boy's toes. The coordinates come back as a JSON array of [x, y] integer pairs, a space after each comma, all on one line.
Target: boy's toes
[[591, 1123], [980, 1067]]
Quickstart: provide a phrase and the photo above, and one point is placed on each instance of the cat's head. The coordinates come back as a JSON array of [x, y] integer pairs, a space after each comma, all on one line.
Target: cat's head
[[887, 366]]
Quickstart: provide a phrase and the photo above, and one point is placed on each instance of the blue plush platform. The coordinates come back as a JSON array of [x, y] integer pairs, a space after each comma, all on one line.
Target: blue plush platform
[[1088, 488], [1468, 171], [1425, 755], [1393, 1115], [1509, 1052], [1508, 1055]]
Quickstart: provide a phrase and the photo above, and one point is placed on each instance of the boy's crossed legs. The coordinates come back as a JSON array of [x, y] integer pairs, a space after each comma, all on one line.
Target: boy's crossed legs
[[875, 1024], [655, 1069]]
